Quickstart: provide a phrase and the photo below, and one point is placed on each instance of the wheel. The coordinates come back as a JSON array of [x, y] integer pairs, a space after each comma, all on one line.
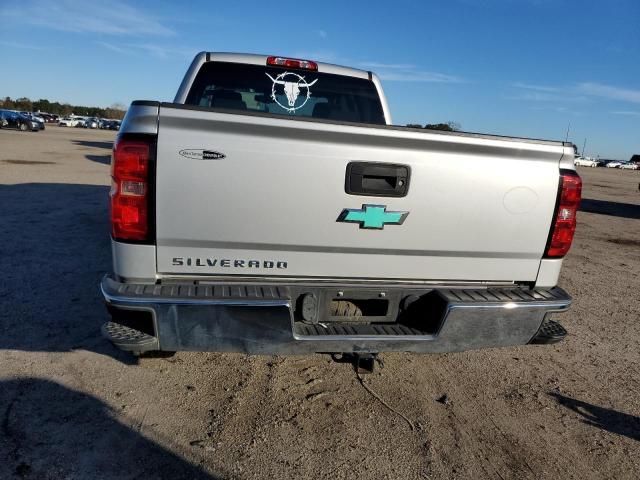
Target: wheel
[[23, 127]]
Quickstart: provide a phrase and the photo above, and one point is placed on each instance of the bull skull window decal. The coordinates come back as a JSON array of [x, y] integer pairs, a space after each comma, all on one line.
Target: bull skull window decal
[[291, 84]]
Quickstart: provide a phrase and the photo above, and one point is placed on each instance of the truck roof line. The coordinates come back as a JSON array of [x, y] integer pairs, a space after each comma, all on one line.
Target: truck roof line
[[258, 59]]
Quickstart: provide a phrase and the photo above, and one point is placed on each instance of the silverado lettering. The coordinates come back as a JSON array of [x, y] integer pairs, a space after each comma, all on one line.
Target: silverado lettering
[[227, 263]]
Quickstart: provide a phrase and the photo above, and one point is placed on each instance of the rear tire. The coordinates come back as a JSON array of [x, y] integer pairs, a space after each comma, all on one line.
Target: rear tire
[[344, 308]]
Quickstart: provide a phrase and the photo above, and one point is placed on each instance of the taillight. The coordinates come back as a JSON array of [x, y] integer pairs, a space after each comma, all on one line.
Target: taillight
[[130, 189], [564, 226], [292, 63]]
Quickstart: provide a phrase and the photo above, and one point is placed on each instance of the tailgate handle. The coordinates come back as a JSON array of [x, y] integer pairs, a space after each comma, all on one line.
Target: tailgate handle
[[377, 179]]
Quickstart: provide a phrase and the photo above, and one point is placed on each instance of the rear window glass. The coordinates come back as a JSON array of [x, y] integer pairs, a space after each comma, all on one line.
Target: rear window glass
[[290, 92]]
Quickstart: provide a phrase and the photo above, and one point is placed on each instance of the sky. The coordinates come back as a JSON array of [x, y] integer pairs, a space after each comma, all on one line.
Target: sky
[[533, 68]]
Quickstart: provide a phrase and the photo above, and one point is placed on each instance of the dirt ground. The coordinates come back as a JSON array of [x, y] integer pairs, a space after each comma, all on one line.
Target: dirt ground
[[73, 407]]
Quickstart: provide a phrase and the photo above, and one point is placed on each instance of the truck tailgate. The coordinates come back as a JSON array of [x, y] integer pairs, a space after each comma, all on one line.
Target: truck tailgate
[[253, 195]]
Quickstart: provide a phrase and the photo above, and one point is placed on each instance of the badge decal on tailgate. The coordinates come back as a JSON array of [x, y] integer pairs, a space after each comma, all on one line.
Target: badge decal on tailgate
[[199, 154], [372, 216]]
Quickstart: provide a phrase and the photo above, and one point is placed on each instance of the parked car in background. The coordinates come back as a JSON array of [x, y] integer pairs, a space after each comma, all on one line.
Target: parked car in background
[[630, 166], [614, 164], [81, 122], [68, 122], [35, 118], [49, 117], [112, 125], [585, 162], [11, 119], [91, 123]]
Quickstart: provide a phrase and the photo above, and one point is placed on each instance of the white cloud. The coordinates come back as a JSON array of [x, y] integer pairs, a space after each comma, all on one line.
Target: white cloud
[[160, 51], [540, 96], [417, 76], [611, 92], [529, 92], [392, 66], [574, 93], [21, 45], [112, 17], [154, 50], [556, 109], [112, 47], [537, 88], [400, 72], [631, 113]]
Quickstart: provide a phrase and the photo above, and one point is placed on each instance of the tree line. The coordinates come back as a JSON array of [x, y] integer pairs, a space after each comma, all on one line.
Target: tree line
[[447, 127], [23, 104]]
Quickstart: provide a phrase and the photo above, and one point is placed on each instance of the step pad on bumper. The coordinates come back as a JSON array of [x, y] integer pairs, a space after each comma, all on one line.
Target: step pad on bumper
[[199, 292], [128, 338], [550, 332], [501, 295]]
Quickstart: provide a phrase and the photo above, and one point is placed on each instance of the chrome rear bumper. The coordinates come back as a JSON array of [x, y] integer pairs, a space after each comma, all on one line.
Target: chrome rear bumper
[[260, 320]]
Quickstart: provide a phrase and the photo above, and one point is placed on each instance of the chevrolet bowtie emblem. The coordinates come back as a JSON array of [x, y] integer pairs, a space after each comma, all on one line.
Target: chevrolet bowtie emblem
[[372, 216]]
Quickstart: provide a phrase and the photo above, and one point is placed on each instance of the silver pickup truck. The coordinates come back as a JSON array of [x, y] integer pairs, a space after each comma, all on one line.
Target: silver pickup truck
[[272, 208]]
